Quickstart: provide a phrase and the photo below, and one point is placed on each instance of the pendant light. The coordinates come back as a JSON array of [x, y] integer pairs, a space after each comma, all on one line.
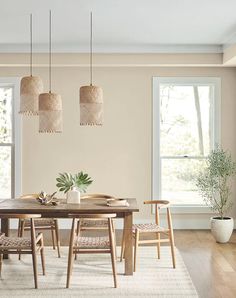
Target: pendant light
[[91, 97], [31, 86], [50, 104]]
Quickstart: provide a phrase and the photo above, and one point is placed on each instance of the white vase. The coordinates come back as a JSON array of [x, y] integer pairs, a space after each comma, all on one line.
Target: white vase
[[73, 196], [222, 228]]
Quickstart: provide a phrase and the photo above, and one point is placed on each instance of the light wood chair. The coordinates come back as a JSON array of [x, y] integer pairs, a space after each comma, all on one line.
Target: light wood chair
[[150, 228], [92, 224], [49, 224], [83, 245], [88, 224], [23, 245]]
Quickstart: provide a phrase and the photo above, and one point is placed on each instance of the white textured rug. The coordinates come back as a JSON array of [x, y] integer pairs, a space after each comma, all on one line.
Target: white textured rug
[[92, 277]]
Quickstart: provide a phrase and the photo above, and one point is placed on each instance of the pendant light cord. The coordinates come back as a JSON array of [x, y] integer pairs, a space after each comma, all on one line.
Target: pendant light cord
[[91, 48], [31, 45], [50, 51]]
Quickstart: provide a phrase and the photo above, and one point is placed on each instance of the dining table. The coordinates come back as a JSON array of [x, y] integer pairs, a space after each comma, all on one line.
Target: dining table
[[62, 210]]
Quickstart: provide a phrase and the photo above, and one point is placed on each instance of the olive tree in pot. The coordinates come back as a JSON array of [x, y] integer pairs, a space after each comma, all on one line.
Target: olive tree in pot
[[214, 184]]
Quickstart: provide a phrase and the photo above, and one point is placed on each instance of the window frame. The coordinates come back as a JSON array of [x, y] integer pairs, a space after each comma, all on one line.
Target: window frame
[[156, 158], [16, 150]]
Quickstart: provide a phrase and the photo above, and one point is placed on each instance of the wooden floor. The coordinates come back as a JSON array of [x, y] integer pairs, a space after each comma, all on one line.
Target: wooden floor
[[212, 266]]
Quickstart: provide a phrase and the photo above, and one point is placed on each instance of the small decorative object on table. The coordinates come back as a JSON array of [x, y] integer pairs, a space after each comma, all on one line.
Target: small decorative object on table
[[72, 185], [117, 202], [214, 184], [46, 199]]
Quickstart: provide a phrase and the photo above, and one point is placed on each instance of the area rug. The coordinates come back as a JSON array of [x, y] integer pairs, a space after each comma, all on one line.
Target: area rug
[[92, 277]]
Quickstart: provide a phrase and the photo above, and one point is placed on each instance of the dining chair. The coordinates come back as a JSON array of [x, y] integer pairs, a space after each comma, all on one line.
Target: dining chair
[[23, 245], [86, 245], [88, 224], [150, 228], [50, 224], [93, 224]]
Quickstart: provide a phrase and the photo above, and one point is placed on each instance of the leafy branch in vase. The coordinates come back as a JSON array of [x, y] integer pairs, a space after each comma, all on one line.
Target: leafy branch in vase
[[66, 181]]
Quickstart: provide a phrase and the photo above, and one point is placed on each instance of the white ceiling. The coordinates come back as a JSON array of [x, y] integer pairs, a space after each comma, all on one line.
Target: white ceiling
[[120, 25]]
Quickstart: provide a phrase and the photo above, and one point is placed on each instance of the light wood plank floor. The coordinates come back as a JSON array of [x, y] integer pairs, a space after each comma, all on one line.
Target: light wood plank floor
[[212, 266]]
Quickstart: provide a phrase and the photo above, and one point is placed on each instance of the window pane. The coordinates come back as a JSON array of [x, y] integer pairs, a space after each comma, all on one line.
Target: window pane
[[5, 172], [185, 120], [6, 114], [178, 180]]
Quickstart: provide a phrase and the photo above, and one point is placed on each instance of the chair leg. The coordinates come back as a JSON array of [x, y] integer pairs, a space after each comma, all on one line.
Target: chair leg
[[122, 246], [18, 235], [113, 261], [113, 251], [42, 255], [57, 238], [21, 233], [114, 233], [1, 265], [78, 227], [171, 236], [136, 248], [53, 237], [19, 228], [77, 233], [70, 266], [70, 254], [158, 246], [34, 259]]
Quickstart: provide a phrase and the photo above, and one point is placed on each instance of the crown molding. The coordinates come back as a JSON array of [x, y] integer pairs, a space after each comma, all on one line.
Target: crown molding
[[114, 60]]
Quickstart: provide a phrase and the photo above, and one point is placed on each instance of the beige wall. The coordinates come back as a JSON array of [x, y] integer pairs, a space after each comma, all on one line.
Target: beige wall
[[117, 155]]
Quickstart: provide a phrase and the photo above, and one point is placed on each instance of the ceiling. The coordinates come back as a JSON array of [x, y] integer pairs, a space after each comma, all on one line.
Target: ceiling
[[120, 26]]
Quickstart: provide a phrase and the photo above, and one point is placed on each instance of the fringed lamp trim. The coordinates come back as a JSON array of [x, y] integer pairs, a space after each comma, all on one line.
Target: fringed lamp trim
[[29, 113], [91, 124], [50, 131]]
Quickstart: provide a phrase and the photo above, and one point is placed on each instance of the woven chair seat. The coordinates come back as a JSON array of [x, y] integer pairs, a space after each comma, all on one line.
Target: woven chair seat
[[14, 242], [148, 228], [40, 222], [94, 223], [92, 242]]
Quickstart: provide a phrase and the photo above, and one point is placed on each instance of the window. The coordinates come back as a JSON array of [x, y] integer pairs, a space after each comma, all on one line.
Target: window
[[9, 138], [185, 128]]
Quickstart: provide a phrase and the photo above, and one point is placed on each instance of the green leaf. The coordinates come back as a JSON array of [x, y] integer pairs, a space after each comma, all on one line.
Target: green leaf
[[80, 180]]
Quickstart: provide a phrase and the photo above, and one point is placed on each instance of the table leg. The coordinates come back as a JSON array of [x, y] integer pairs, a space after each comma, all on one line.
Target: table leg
[[128, 221], [5, 230]]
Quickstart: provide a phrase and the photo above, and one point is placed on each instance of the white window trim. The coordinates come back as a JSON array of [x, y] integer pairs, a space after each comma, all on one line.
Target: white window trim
[[156, 171], [17, 132]]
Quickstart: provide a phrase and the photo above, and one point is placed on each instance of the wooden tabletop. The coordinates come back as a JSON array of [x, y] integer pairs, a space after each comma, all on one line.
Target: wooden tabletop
[[28, 206]]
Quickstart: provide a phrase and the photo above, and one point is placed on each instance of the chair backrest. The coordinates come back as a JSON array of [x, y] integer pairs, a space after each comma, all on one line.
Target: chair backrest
[[93, 216], [158, 205], [25, 216], [20, 216], [105, 216], [30, 196], [96, 196]]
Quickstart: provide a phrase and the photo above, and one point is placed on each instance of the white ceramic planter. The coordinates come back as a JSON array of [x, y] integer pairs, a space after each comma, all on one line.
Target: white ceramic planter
[[222, 228]]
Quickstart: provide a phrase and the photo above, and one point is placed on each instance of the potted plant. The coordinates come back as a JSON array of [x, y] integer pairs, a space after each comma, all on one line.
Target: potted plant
[[214, 184], [70, 184]]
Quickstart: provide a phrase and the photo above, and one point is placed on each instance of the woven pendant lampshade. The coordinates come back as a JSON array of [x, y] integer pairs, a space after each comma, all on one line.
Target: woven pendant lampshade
[[50, 104], [30, 87], [91, 97], [50, 113], [91, 105]]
